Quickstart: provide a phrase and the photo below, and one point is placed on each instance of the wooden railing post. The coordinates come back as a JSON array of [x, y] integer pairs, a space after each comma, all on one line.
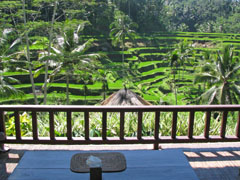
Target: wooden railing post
[[238, 126], [3, 132], [69, 125], [174, 125], [17, 125], [207, 124], [139, 130], [34, 125], [51, 125], [224, 124], [104, 125], [122, 118], [191, 124], [156, 130], [86, 123]]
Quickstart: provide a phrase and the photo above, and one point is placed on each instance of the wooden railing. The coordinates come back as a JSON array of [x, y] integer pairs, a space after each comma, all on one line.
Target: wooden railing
[[156, 139]]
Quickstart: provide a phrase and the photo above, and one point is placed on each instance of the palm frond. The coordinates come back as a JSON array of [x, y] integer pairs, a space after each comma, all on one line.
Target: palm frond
[[233, 72], [84, 47], [11, 80], [209, 96], [7, 91], [236, 89]]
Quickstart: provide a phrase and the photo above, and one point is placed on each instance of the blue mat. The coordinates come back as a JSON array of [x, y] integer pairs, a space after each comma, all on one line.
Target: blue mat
[[141, 165]]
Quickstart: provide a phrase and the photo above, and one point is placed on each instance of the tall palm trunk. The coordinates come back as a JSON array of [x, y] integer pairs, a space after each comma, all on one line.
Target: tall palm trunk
[[123, 68], [28, 56], [85, 93], [67, 88], [175, 88], [49, 49], [104, 89]]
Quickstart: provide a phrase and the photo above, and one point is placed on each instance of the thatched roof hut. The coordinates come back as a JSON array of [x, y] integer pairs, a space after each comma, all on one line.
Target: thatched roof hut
[[125, 97]]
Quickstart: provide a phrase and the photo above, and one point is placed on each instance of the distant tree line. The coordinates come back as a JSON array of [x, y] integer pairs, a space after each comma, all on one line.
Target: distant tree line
[[150, 15]]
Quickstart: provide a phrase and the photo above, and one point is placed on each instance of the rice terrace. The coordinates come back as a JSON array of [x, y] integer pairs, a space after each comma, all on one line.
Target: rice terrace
[[150, 58]]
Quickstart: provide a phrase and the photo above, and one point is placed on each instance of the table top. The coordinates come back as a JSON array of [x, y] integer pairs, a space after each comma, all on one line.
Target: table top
[[141, 164]]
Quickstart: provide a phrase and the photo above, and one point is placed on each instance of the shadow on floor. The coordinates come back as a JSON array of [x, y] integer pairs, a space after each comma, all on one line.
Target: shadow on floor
[[215, 163], [8, 162]]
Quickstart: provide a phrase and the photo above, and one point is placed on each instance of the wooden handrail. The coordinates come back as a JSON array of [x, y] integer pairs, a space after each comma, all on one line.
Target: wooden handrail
[[122, 139]]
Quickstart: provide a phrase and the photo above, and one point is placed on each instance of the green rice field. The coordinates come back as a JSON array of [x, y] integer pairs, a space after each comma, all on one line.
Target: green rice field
[[149, 54]]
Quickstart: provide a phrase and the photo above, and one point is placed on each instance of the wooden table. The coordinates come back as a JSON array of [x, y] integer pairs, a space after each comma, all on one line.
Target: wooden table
[[141, 165]]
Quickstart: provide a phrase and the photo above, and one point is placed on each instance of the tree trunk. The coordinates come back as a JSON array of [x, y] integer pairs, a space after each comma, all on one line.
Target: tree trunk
[[123, 70], [49, 49], [85, 93], [104, 90], [28, 56], [175, 89], [67, 88]]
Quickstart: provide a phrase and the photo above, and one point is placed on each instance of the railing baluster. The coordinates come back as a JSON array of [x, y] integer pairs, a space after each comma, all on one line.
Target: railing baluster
[[34, 125], [69, 125], [17, 125], [238, 126], [191, 124], [122, 114], [104, 125], [207, 124], [224, 124], [51, 125], [2, 122], [174, 125], [86, 122], [156, 130], [139, 130]]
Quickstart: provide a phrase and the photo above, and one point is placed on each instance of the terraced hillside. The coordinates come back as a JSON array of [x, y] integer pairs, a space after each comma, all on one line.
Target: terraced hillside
[[149, 54]]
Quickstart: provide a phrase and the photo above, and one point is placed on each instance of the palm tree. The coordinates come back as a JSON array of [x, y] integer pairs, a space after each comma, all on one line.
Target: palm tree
[[103, 75], [69, 55], [6, 89], [179, 57], [221, 75], [122, 28]]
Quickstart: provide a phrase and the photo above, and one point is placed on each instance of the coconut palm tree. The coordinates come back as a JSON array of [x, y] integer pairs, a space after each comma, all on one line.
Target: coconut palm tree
[[179, 57], [121, 29], [69, 55], [221, 75], [6, 89]]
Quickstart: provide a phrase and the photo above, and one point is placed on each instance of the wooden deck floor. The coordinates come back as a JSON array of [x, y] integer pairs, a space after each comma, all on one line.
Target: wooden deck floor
[[210, 161]]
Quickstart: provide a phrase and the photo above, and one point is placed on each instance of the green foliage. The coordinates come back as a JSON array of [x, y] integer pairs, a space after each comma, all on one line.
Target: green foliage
[[121, 28], [220, 72], [25, 122]]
